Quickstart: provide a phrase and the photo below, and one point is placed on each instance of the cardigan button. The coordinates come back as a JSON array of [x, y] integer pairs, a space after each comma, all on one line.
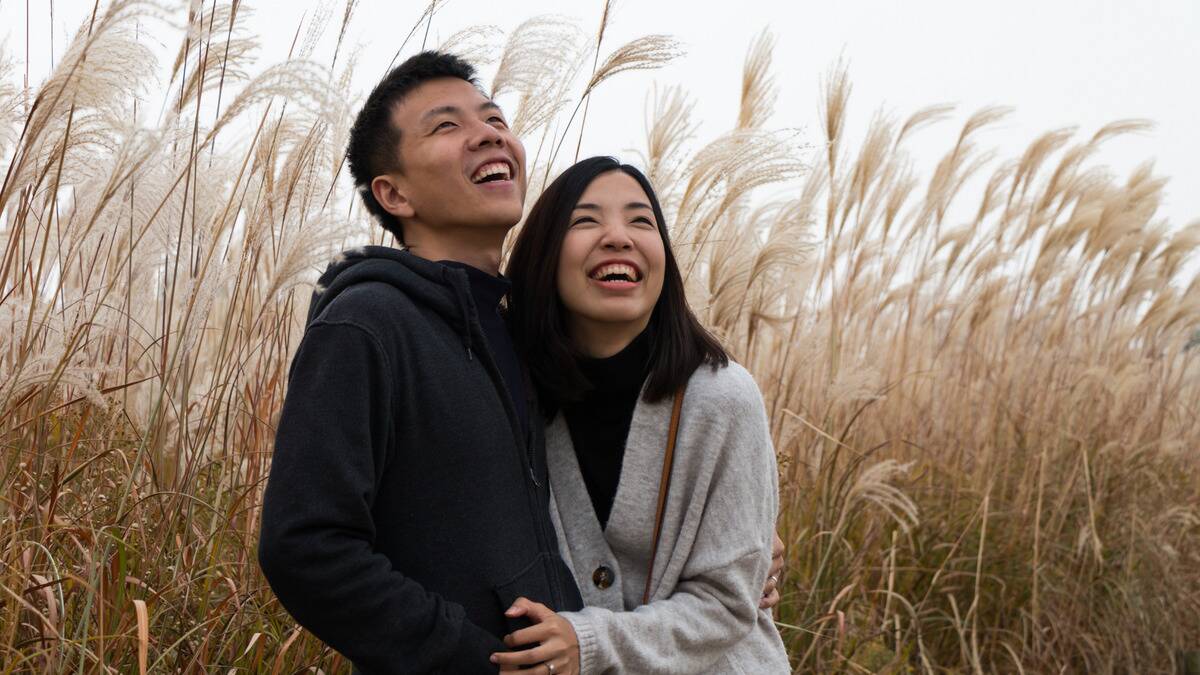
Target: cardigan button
[[602, 577]]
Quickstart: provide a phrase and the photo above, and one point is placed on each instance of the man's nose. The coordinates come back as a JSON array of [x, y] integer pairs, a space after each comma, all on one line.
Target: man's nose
[[485, 135]]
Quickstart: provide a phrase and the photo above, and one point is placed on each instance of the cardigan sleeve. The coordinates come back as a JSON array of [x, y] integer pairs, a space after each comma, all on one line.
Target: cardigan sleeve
[[714, 605]]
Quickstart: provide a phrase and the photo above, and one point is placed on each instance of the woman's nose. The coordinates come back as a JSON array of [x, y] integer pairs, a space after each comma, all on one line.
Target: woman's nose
[[615, 237]]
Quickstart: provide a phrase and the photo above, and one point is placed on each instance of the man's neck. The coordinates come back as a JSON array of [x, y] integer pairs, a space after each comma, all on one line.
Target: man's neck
[[477, 247]]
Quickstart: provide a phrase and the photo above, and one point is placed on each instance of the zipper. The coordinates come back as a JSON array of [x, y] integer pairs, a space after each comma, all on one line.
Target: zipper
[[488, 360], [541, 516], [493, 369]]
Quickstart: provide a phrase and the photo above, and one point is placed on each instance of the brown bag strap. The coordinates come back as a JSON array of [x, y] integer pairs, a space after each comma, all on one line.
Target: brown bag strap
[[664, 486]]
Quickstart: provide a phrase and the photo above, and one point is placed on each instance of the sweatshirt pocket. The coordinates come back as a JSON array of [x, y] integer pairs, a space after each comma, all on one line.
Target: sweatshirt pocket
[[531, 583]]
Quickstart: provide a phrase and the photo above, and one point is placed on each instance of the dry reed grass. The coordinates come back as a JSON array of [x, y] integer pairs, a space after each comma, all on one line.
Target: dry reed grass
[[982, 401]]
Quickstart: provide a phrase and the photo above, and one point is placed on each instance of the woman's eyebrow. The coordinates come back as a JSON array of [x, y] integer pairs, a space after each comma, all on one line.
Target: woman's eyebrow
[[587, 206]]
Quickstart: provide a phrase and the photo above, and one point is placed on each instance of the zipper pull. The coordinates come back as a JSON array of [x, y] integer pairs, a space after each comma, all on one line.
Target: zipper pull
[[533, 475], [529, 457]]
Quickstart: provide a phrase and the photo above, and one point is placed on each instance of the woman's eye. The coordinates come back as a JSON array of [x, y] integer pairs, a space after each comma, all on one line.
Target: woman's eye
[[643, 221], [583, 221]]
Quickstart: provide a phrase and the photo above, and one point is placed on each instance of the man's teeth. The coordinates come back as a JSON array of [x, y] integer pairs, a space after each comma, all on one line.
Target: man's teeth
[[615, 270], [491, 170]]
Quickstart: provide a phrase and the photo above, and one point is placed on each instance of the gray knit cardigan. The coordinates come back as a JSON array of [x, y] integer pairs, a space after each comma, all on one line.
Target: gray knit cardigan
[[715, 548]]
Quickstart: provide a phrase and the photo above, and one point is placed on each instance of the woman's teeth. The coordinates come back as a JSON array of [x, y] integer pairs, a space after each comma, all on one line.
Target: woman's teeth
[[617, 271]]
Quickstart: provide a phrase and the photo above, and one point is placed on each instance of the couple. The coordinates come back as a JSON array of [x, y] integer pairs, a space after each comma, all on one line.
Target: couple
[[409, 520]]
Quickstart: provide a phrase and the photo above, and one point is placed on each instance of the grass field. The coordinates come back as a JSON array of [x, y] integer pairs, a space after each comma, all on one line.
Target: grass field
[[978, 368]]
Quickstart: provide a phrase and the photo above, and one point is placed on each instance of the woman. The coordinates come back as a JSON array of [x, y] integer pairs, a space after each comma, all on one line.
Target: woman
[[598, 311]]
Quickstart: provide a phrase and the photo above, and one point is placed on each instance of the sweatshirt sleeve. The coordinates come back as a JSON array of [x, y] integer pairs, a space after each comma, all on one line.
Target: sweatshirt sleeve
[[715, 603], [316, 540]]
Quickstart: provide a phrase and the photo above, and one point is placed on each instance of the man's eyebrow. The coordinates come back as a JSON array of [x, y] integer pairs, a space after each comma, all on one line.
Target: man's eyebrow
[[454, 110], [440, 110]]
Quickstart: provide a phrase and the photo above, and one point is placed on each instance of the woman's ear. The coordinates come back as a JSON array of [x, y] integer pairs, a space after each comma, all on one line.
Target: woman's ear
[[392, 196]]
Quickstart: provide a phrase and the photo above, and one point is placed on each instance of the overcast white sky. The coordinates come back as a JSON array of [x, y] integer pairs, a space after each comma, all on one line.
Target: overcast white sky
[[1059, 63]]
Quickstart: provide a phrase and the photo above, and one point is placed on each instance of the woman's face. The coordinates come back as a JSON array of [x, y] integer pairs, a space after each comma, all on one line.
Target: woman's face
[[610, 270]]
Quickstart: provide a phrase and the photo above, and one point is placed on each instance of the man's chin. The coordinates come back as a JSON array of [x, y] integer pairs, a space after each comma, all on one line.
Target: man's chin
[[506, 216]]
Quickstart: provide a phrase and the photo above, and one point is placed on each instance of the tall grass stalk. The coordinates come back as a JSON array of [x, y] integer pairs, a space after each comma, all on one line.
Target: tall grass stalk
[[978, 372]]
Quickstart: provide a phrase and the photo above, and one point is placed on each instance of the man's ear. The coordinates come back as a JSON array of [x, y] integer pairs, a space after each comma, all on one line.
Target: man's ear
[[392, 195]]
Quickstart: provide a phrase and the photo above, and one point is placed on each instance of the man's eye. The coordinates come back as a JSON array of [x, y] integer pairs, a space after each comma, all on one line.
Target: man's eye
[[494, 119], [444, 125]]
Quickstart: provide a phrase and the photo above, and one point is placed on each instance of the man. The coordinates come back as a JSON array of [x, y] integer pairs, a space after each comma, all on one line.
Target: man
[[407, 506], [407, 503]]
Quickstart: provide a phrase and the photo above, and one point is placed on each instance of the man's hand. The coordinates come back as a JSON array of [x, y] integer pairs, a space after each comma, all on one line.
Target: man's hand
[[770, 595], [558, 647]]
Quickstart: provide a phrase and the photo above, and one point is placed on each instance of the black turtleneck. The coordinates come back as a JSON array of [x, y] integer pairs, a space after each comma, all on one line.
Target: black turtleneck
[[487, 291], [599, 422]]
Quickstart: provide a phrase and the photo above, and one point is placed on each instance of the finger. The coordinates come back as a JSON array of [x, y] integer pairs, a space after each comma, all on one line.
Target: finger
[[770, 585], [563, 665], [769, 601], [534, 634], [777, 557], [519, 607], [525, 657], [537, 612], [516, 611]]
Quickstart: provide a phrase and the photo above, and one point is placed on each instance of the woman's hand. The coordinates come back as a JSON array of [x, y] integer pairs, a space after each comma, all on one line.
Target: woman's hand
[[770, 595], [558, 647]]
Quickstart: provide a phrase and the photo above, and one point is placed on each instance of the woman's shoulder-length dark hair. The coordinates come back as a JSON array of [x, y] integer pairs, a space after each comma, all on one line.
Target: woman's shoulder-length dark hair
[[679, 344]]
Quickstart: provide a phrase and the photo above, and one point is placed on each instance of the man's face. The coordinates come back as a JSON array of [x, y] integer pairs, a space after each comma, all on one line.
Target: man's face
[[461, 166]]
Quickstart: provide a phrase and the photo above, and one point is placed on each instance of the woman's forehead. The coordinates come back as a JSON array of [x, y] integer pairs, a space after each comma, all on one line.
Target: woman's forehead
[[614, 187]]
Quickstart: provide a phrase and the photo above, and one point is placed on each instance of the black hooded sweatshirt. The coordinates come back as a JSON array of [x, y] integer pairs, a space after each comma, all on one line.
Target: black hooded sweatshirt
[[406, 508]]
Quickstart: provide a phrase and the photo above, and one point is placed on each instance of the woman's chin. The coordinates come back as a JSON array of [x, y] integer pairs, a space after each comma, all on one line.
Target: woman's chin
[[616, 315]]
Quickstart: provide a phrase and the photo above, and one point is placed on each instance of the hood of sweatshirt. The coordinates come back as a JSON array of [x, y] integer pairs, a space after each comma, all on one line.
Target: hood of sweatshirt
[[445, 290]]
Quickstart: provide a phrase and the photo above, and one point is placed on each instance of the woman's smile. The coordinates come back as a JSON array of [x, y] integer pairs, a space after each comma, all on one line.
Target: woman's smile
[[616, 275]]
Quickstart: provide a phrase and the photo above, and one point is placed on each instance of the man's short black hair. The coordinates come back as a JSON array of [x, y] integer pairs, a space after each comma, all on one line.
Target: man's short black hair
[[374, 147]]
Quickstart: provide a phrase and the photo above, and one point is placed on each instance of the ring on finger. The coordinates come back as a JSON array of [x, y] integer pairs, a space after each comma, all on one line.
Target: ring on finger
[[550, 667]]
